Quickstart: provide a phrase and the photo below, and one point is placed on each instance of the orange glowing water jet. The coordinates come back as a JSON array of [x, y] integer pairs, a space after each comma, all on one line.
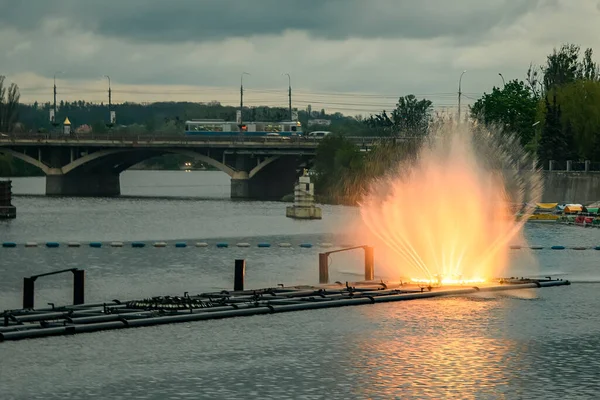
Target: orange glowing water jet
[[445, 217]]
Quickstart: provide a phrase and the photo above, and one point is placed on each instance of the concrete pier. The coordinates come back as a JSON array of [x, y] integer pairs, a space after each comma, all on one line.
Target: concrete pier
[[304, 200], [7, 210]]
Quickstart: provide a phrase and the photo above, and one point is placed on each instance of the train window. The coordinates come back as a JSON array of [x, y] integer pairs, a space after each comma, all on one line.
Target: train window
[[293, 129]]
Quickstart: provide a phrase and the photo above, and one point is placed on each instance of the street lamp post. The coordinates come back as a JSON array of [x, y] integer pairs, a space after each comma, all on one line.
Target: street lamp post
[[460, 92], [109, 101], [242, 97], [503, 81], [54, 122], [289, 94]]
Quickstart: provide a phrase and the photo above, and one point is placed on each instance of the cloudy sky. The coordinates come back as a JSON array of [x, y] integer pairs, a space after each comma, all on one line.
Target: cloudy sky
[[354, 56]]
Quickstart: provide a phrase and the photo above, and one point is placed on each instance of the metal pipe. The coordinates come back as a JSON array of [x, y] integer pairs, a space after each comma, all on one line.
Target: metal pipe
[[116, 321]]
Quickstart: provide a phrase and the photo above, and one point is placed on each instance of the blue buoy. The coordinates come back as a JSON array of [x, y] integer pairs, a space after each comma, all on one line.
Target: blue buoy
[[557, 247], [221, 245], [264, 245], [9, 244], [597, 248], [306, 245], [52, 244], [138, 244], [180, 244], [96, 244]]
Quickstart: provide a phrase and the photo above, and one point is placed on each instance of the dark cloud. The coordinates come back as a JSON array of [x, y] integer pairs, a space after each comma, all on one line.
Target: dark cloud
[[213, 20]]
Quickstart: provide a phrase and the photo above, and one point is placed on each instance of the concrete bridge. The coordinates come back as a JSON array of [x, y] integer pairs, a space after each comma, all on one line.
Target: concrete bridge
[[90, 165]]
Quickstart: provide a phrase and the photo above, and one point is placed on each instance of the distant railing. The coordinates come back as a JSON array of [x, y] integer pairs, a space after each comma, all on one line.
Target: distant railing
[[182, 139], [571, 166], [364, 142]]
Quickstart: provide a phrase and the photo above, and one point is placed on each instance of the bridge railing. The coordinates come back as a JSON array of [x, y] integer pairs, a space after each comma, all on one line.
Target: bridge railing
[[179, 138]]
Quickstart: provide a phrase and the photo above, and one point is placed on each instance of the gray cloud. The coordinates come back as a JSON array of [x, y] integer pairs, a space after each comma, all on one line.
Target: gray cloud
[[210, 20], [388, 47]]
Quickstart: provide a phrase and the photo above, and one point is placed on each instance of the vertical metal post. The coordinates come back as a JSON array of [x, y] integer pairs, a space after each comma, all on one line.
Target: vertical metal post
[[369, 263], [569, 165], [28, 292], [78, 286], [323, 268], [239, 274], [460, 93], [587, 165]]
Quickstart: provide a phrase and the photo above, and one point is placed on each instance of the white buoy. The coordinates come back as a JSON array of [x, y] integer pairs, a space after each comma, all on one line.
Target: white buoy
[[160, 244], [326, 244], [73, 244], [243, 245], [116, 244], [31, 244], [201, 244], [285, 245]]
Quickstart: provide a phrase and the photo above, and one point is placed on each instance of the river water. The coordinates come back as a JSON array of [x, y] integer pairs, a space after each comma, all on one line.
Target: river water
[[531, 344]]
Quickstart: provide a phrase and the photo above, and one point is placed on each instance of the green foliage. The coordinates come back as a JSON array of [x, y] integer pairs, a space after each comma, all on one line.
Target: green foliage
[[9, 105], [553, 143], [411, 117], [513, 108], [338, 162], [580, 106]]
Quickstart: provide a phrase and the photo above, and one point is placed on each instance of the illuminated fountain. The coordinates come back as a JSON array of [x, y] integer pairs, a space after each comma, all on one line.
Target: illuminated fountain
[[446, 216]]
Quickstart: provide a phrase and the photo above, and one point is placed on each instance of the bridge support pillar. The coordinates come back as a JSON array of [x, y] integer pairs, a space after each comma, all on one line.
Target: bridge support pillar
[[271, 183], [84, 185]]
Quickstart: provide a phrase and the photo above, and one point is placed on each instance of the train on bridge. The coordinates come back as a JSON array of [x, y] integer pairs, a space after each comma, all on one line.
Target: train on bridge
[[219, 127]]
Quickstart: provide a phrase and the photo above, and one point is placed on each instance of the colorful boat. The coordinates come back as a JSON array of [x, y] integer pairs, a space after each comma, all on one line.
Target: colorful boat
[[544, 212]]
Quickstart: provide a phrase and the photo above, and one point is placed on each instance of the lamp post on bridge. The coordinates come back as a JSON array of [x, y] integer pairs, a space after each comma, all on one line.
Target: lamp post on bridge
[[460, 92], [503, 81], [53, 113], [289, 95], [111, 113], [240, 116]]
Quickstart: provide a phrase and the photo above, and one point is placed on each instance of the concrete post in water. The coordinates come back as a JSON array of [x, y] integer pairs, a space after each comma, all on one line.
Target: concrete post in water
[[369, 263], [28, 292], [304, 200], [78, 286], [569, 165], [587, 165], [7, 210], [323, 268], [239, 275], [551, 165]]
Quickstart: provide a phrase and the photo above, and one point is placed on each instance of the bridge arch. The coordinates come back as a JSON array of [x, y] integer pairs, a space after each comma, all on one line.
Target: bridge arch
[[262, 165], [26, 158], [98, 155]]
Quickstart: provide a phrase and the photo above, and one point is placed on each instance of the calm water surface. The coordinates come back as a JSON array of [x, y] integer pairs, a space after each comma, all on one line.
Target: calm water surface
[[532, 345]]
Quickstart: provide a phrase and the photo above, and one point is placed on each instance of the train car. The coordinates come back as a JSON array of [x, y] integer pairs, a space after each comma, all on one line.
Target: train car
[[219, 127]]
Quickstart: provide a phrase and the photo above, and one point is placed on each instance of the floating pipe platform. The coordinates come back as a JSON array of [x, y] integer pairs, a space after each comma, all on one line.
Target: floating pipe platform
[[82, 318]]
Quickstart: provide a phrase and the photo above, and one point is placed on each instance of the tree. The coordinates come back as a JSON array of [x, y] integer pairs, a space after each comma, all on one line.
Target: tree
[[562, 66], [553, 144], [513, 108], [580, 108], [338, 165], [9, 105], [411, 117]]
